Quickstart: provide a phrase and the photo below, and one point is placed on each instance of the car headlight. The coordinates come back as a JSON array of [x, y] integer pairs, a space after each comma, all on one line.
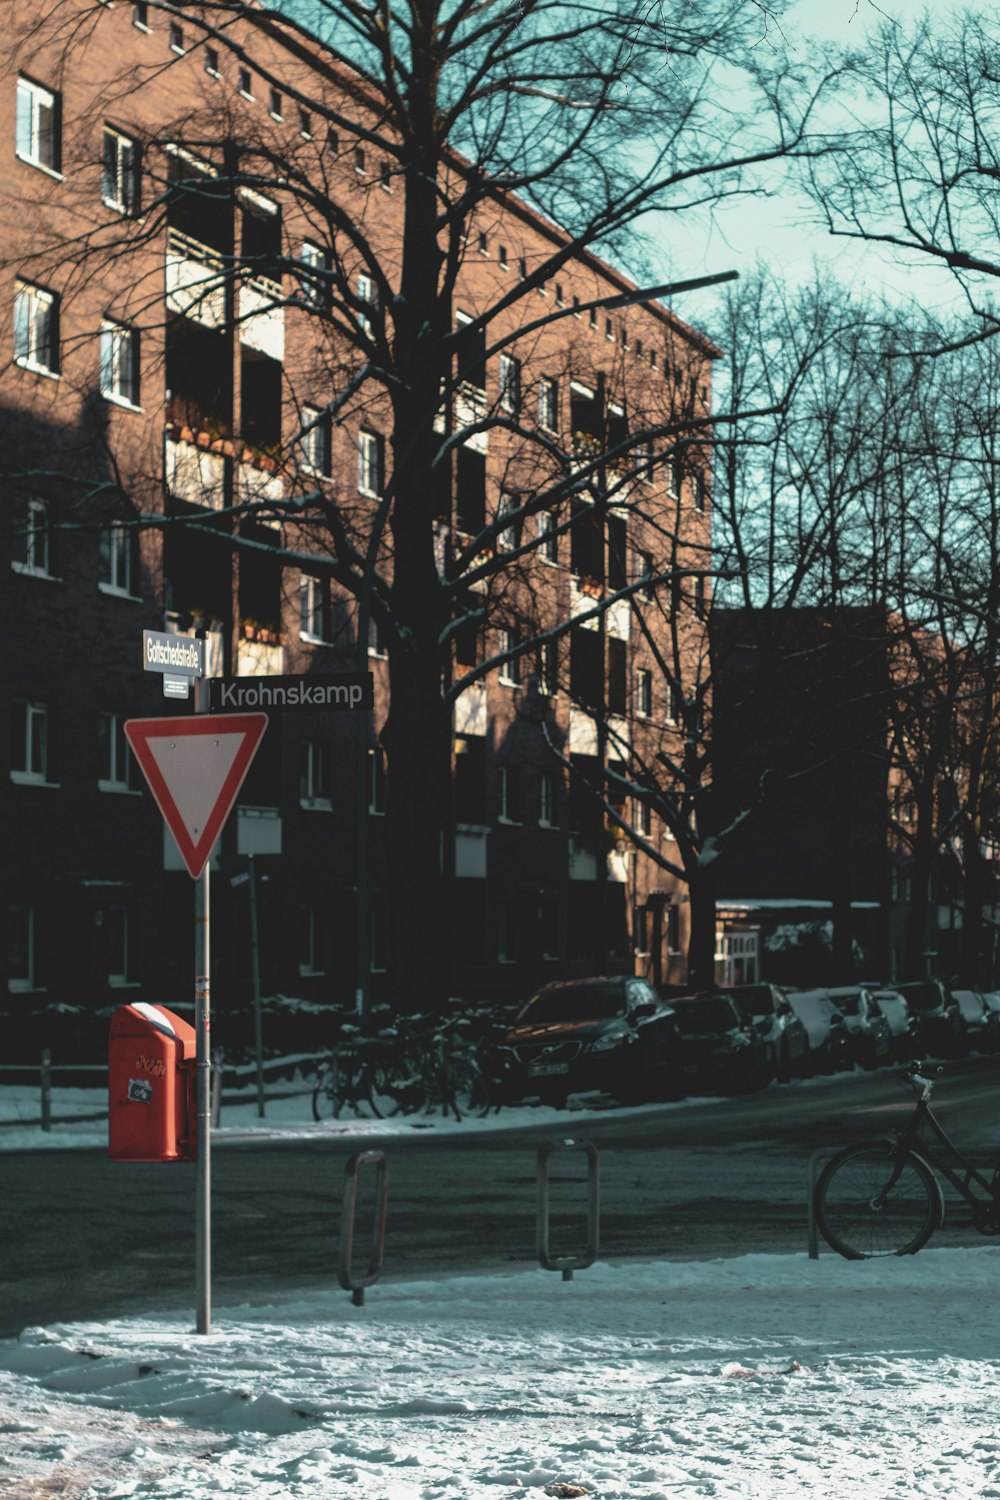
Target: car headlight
[[609, 1042]]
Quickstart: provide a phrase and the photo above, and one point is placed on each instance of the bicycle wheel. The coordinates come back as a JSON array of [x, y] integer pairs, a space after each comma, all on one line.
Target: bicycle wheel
[[396, 1089], [467, 1089], [857, 1221], [328, 1095]]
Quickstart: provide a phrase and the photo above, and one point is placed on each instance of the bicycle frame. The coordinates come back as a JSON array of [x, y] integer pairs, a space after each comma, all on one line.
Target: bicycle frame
[[910, 1140]]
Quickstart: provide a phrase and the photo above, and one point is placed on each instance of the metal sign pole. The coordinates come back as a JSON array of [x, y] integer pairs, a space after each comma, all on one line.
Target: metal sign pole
[[203, 1058]]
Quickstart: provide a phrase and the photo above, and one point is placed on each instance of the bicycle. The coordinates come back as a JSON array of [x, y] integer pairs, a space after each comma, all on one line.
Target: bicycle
[[433, 1069], [357, 1075], [884, 1197]]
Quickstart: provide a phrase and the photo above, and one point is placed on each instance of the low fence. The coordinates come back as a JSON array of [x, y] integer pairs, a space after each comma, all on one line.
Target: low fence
[[222, 1072]]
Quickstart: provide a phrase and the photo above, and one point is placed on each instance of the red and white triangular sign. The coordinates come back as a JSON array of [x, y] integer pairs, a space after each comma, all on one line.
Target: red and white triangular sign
[[195, 768]]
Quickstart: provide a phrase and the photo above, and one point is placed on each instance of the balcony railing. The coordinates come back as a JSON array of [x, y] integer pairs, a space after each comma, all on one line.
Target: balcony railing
[[262, 317], [257, 659], [195, 280], [195, 474]]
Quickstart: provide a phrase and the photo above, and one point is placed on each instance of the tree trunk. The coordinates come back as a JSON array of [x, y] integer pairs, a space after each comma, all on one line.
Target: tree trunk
[[840, 868], [918, 909], [972, 968], [701, 943]]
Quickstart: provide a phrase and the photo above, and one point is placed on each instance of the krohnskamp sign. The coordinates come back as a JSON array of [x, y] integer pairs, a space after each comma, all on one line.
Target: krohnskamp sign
[[320, 691]]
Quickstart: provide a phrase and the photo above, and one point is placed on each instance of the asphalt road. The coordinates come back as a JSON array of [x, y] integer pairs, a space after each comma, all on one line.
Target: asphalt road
[[82, 1237]]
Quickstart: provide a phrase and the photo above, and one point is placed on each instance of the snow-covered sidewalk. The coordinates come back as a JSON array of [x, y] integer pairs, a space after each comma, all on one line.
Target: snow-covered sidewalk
[[761, 1376]]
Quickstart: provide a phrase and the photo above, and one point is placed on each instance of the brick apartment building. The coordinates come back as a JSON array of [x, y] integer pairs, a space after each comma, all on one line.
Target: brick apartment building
[[170, 345]]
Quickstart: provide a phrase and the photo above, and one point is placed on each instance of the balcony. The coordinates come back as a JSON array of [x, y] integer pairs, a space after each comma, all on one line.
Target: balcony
[[262, 317], [259, 659], [214, 642], [470, 710], [195, 474], [195, 281]]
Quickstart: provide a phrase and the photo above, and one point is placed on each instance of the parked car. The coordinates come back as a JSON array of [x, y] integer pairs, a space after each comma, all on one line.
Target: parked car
[[991, 999], [981, 1021], [829, 1040], [766, 1008], [581, 1034], [869, 1031], [719, 1048], [901, 1024], [940, 1030]]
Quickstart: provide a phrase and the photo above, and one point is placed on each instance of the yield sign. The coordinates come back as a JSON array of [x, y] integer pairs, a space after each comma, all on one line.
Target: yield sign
[[195, 768]]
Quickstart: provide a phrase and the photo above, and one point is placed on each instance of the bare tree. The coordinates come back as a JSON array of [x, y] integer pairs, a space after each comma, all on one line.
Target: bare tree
[[416, 147]]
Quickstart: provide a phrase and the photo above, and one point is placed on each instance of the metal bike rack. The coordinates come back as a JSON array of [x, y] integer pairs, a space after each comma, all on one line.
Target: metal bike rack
[[818, 1158], [351, 1283], [567, 1264]]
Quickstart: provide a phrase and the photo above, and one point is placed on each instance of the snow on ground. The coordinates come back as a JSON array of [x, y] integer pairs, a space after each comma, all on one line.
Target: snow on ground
[[759, 1376]]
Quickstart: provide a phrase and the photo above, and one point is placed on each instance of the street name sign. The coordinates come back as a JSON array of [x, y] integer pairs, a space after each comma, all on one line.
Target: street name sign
[[195, 768], [180, 655], [318, 690]]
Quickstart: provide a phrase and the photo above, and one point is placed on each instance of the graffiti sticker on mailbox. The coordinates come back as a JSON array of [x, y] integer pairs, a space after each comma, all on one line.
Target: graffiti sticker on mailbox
[[140, 1091]]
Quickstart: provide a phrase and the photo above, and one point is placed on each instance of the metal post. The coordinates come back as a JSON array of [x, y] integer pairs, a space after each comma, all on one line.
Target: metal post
[[258, 1043], [46, 1071], [819, 1156], [567, 1264], [203, 1094]]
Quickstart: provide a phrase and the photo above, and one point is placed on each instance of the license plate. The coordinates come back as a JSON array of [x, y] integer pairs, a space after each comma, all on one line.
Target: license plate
[[546, 1070]]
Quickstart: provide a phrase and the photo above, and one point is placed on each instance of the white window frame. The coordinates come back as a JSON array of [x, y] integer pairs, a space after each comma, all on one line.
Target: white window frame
[[643, 693], [508, 776], [245, 84], [314, 603], [548, 403], [510, 383], [120, 979], [504, 538], [318, 771], [24, 984], [37, 561], [308, 968], [117, 555], [32, 101], [509, 670], [315, 431], [314, 291], [548, 794], [35, 342], [642, 817], [548, 668], [121, 763], [548, 538], [376, 646], [120, 364], [119, 190], [176, 38], [33, 772], [367, 295], [370, 465]]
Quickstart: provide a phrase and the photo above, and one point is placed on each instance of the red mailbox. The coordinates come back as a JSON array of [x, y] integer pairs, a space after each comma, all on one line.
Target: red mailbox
[[151, 1071]]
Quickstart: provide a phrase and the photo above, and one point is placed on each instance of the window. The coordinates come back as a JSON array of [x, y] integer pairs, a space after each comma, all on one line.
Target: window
[[623, 335], [314, 609], [368, 299], [276, 105], [370, 463], [36, 328], [522, 267], [360, 161], [314, 276], [646, 569], [315, 623], [676, 472], [119, 363], [576, 307], [510, 669], [560, 296], [376, 638], [509, 789], [333, 142], [547, 668], [638, 348], [592, 317], [484, 244], [673, 916], [29, 742], [547, 537], [508, 537], [642, 819], [609, 330], [470, 779], [548, 799], [700, 483], [617, 676], [31, 536], [640, 929], [652, 359], [470, 353], [314, 774], [315, 440], [675, 704], [643, 692], [309, 933], [385, 176], [21, 964], [116, 765], [699, 595], [140, 15], [548, 403], [510, 383], [305, 125], [376, 780], [212, 62], [502, 257], [120, 173], [246, 83], [118, 560], [176, 38], [114, 920], [37, 137]]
